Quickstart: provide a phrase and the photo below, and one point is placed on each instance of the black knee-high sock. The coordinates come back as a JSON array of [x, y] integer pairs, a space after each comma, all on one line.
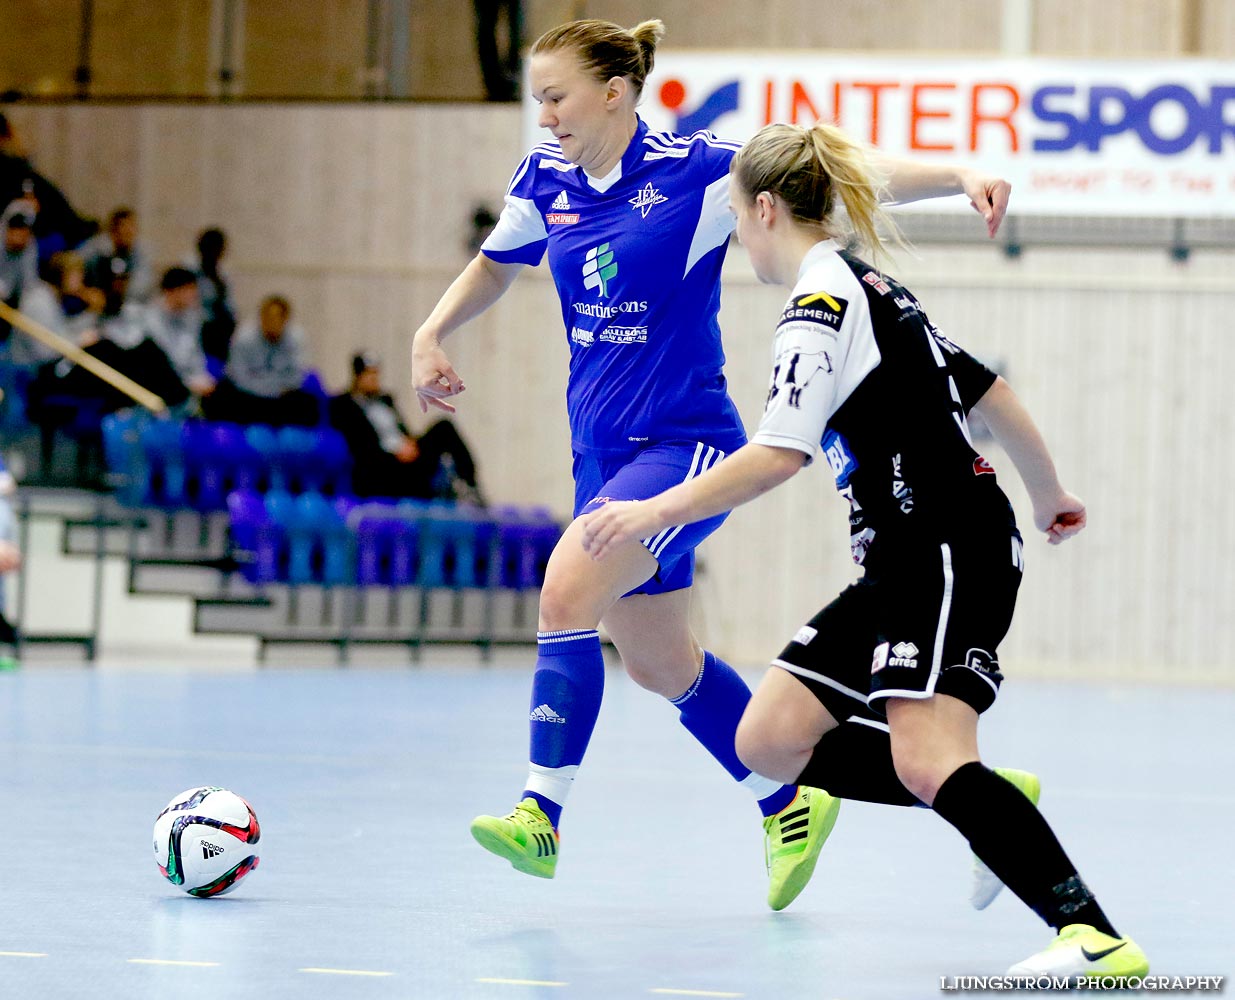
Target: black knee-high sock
[[854, 761], [1006, 831]]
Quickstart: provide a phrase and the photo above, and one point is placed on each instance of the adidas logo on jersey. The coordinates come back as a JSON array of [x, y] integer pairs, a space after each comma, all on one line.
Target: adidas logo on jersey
[[559, 213], [543, 713], [210, 850]]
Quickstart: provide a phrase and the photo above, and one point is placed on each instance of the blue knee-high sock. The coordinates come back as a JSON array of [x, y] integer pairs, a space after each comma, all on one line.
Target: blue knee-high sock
[[711, 710], [566, 693]]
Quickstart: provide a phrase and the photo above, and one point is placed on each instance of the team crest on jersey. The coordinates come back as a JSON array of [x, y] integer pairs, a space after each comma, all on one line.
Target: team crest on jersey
[[647, 199], [817, 307]]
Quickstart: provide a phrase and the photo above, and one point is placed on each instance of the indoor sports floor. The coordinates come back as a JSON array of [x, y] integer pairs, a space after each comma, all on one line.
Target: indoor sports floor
[[365, 779]]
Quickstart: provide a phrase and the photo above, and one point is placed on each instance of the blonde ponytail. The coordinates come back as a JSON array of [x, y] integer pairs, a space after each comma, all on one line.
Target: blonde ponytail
[[647, 35], [807, 168]]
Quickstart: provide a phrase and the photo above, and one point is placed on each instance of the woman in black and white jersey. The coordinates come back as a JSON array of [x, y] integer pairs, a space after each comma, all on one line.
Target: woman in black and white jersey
[[878, 697]]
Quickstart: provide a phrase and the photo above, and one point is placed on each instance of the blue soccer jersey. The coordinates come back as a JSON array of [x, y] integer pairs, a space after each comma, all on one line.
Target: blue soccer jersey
[[636, 257]]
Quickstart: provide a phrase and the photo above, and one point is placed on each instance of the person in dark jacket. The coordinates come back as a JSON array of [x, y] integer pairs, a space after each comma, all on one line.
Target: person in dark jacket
[[390, 461]]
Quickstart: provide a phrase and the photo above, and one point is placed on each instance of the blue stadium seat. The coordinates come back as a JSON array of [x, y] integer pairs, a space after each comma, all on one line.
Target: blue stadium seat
[[163, 446], [256, 540], [266, 448], [126, 459], [296, 450]]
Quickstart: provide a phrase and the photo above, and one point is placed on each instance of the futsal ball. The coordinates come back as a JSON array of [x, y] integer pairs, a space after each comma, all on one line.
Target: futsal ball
[[204, 841]]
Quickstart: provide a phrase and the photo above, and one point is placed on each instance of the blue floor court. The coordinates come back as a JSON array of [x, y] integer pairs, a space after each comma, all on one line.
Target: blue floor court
[[370, 886]]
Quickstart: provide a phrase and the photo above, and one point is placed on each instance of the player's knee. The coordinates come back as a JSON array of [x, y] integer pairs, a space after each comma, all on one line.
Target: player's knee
[[918, 770], [562, 605], [666, 675], [643, 671], [761, 747], [915, 777], [751, 745]]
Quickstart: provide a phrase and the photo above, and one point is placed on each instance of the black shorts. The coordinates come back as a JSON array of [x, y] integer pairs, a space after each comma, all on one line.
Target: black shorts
[[930, 623]]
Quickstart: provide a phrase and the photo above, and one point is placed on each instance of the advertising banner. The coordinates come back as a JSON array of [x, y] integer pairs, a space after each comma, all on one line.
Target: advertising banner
[[1075, 137]]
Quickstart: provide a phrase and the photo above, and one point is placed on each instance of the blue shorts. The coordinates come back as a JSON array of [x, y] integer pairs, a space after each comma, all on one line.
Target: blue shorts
[[640, 476]]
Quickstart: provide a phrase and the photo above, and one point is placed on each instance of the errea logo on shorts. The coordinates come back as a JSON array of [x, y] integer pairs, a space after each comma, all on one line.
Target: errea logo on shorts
[[904, 654]]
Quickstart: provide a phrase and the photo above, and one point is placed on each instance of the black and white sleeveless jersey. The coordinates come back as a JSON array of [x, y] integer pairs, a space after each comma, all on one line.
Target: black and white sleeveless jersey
[[861, 372]]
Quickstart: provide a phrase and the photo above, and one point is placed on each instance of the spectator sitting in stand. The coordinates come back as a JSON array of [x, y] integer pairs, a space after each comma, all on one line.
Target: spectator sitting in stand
[[77, 306], [175, 324], [387, 460], [117, 336], [20, 354], [19, 260], [119, 242], [215, 295], [265, 371], [59, 301], [58, 226]]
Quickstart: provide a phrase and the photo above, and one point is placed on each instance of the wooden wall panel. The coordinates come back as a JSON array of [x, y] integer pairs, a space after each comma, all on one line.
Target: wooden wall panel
[[442, 61], [38, 45], [150, 48], [163, 48], [360, 215], [904, 25], [293, 49], [1215, 30], [1120, 28]]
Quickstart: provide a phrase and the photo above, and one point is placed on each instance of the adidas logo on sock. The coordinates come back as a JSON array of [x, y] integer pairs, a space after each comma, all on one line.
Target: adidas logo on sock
[[543, 713], [210, 850], [561, 203]]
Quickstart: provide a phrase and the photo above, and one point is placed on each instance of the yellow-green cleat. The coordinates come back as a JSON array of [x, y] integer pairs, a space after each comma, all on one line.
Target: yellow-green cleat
[[793, 839], [525, 838], [1083, 952], [986, 884]]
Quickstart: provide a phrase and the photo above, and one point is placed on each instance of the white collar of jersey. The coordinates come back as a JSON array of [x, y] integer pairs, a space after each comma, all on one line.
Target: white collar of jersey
[[629, 159], [816, 254], [603, 184]]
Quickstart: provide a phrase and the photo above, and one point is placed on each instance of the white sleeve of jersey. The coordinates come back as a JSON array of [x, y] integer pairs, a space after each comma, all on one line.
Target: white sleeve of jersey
[[520, 224], [715, 222], [807, 359]]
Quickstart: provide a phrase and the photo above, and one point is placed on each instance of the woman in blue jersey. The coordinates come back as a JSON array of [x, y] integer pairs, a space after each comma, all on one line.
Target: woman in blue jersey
[[878, 696], [636, 224]]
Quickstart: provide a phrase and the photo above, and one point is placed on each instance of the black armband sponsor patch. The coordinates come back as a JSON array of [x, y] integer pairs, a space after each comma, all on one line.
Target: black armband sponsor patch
[[815, 307]]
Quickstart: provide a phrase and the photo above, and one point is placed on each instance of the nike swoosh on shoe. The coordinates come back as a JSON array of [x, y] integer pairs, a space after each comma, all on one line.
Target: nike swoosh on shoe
[[1093, 956]]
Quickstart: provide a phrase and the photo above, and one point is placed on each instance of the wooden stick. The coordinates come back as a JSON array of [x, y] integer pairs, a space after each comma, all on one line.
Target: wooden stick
[[117, 380]]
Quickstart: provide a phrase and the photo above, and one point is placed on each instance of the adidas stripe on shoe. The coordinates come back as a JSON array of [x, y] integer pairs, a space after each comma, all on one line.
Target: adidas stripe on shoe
[[793, 839], [524, 837]]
